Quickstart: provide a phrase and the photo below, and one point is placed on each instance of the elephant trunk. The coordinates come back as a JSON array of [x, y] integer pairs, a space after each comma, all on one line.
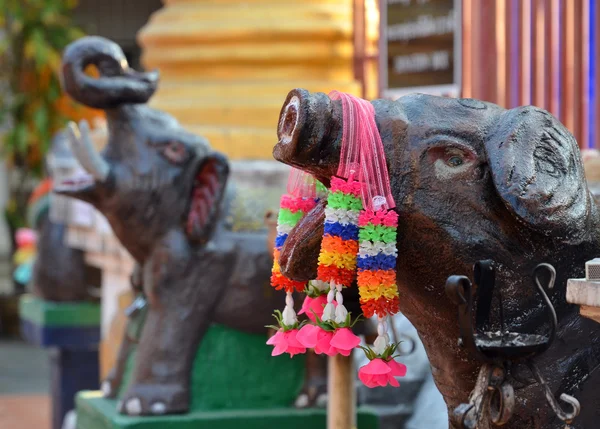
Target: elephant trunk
[[117, 84], [310, 133]]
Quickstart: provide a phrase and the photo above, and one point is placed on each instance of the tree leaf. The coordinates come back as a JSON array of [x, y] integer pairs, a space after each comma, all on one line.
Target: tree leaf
[[41, 48], [20, 137], [40, 120]]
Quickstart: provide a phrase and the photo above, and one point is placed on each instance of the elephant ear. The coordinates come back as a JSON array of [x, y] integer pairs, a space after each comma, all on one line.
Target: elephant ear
[[207, 193], [537, 170]]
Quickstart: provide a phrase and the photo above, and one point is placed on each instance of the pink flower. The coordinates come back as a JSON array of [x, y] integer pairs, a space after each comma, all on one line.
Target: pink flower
[[308, 335], [365, 217], [324, 344], [314, 337], [379, 373], [25, 237], [380, 217], [286, 342], [295, 204], [315, 305], [344, 341], [398, 369], [390, 219], [346, 186]]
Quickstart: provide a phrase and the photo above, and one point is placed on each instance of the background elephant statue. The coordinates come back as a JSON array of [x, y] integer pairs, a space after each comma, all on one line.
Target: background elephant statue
[[167, 197], [471, 181], [59, 273]]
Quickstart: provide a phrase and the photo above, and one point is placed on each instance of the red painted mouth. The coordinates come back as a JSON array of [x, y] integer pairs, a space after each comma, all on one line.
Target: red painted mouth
[[75, 183]]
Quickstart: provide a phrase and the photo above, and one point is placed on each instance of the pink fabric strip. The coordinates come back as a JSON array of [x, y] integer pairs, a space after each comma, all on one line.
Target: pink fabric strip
[[301, 184], [362, 152]]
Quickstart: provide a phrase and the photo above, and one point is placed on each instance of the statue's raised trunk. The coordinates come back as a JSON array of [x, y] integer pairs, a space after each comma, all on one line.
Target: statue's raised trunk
[[117, 84], [310, 133]]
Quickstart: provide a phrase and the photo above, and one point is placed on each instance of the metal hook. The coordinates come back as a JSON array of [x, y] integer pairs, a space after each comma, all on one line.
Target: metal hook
[[549, 306], [560, 413], [575, 405], [458, 290], [548, 267]]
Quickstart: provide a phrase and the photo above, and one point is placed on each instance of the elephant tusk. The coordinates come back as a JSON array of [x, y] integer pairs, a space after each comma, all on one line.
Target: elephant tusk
[[83, 149]]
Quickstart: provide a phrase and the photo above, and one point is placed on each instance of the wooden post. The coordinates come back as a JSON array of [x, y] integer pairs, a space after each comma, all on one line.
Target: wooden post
[[341, 406]]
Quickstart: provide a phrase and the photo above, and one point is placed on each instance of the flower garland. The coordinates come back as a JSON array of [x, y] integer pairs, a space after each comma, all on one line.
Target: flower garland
[[359, 242], [302, 196], [25, 256]]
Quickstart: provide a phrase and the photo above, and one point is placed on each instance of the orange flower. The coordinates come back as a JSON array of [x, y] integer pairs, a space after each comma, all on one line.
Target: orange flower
[[338, 275], [337, 245], [279, 282], [381, 306], [369, 278]]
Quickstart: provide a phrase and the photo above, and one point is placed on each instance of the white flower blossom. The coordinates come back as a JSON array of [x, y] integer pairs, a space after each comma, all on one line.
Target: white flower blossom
[[318, 285], [284, 229], [380, 344], [289, 316], [328, 313], [340, 314], [368, 248], [342, 216]]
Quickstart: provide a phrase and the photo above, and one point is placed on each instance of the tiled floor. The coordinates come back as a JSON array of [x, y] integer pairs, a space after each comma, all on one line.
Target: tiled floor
[[25, 412], [24, 386], [24, 370]]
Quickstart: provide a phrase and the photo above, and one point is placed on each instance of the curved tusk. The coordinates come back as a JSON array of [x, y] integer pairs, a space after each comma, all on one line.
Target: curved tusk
[[83, 149]]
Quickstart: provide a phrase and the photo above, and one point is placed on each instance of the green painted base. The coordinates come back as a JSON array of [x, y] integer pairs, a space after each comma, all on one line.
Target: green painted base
[[95, 412], [55, 314], [235, 370]]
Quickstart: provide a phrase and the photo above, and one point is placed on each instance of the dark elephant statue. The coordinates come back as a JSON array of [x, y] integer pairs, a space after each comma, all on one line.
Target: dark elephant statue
[[472, 181], [60, 272], [166, 195]]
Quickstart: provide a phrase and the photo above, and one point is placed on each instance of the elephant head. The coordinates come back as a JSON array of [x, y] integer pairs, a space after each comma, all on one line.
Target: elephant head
[[152, 175], [471, 181]]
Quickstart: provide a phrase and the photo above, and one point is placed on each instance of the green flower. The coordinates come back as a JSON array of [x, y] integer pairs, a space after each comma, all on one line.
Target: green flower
[[320, 188], [371, 232], [286, 217], [339, 200]]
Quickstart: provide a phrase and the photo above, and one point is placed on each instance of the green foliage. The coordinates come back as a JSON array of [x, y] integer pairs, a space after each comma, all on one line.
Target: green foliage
[[35, 33]]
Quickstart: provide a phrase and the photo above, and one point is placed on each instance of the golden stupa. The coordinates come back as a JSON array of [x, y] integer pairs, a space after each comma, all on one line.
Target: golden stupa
[[227, 65]]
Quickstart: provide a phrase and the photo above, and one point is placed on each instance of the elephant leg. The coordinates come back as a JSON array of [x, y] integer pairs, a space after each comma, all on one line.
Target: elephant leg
[[114, 379], [182, 288], [112, 384]]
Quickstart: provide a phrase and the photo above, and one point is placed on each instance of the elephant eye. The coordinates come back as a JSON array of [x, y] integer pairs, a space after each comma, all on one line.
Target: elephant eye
[[175, 152], [455, 161]]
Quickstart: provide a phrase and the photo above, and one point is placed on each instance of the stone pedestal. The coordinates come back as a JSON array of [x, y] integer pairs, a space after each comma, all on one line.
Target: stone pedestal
[[232, 387], [97, 413], [71, 332], [227, 65], [587, 295]]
